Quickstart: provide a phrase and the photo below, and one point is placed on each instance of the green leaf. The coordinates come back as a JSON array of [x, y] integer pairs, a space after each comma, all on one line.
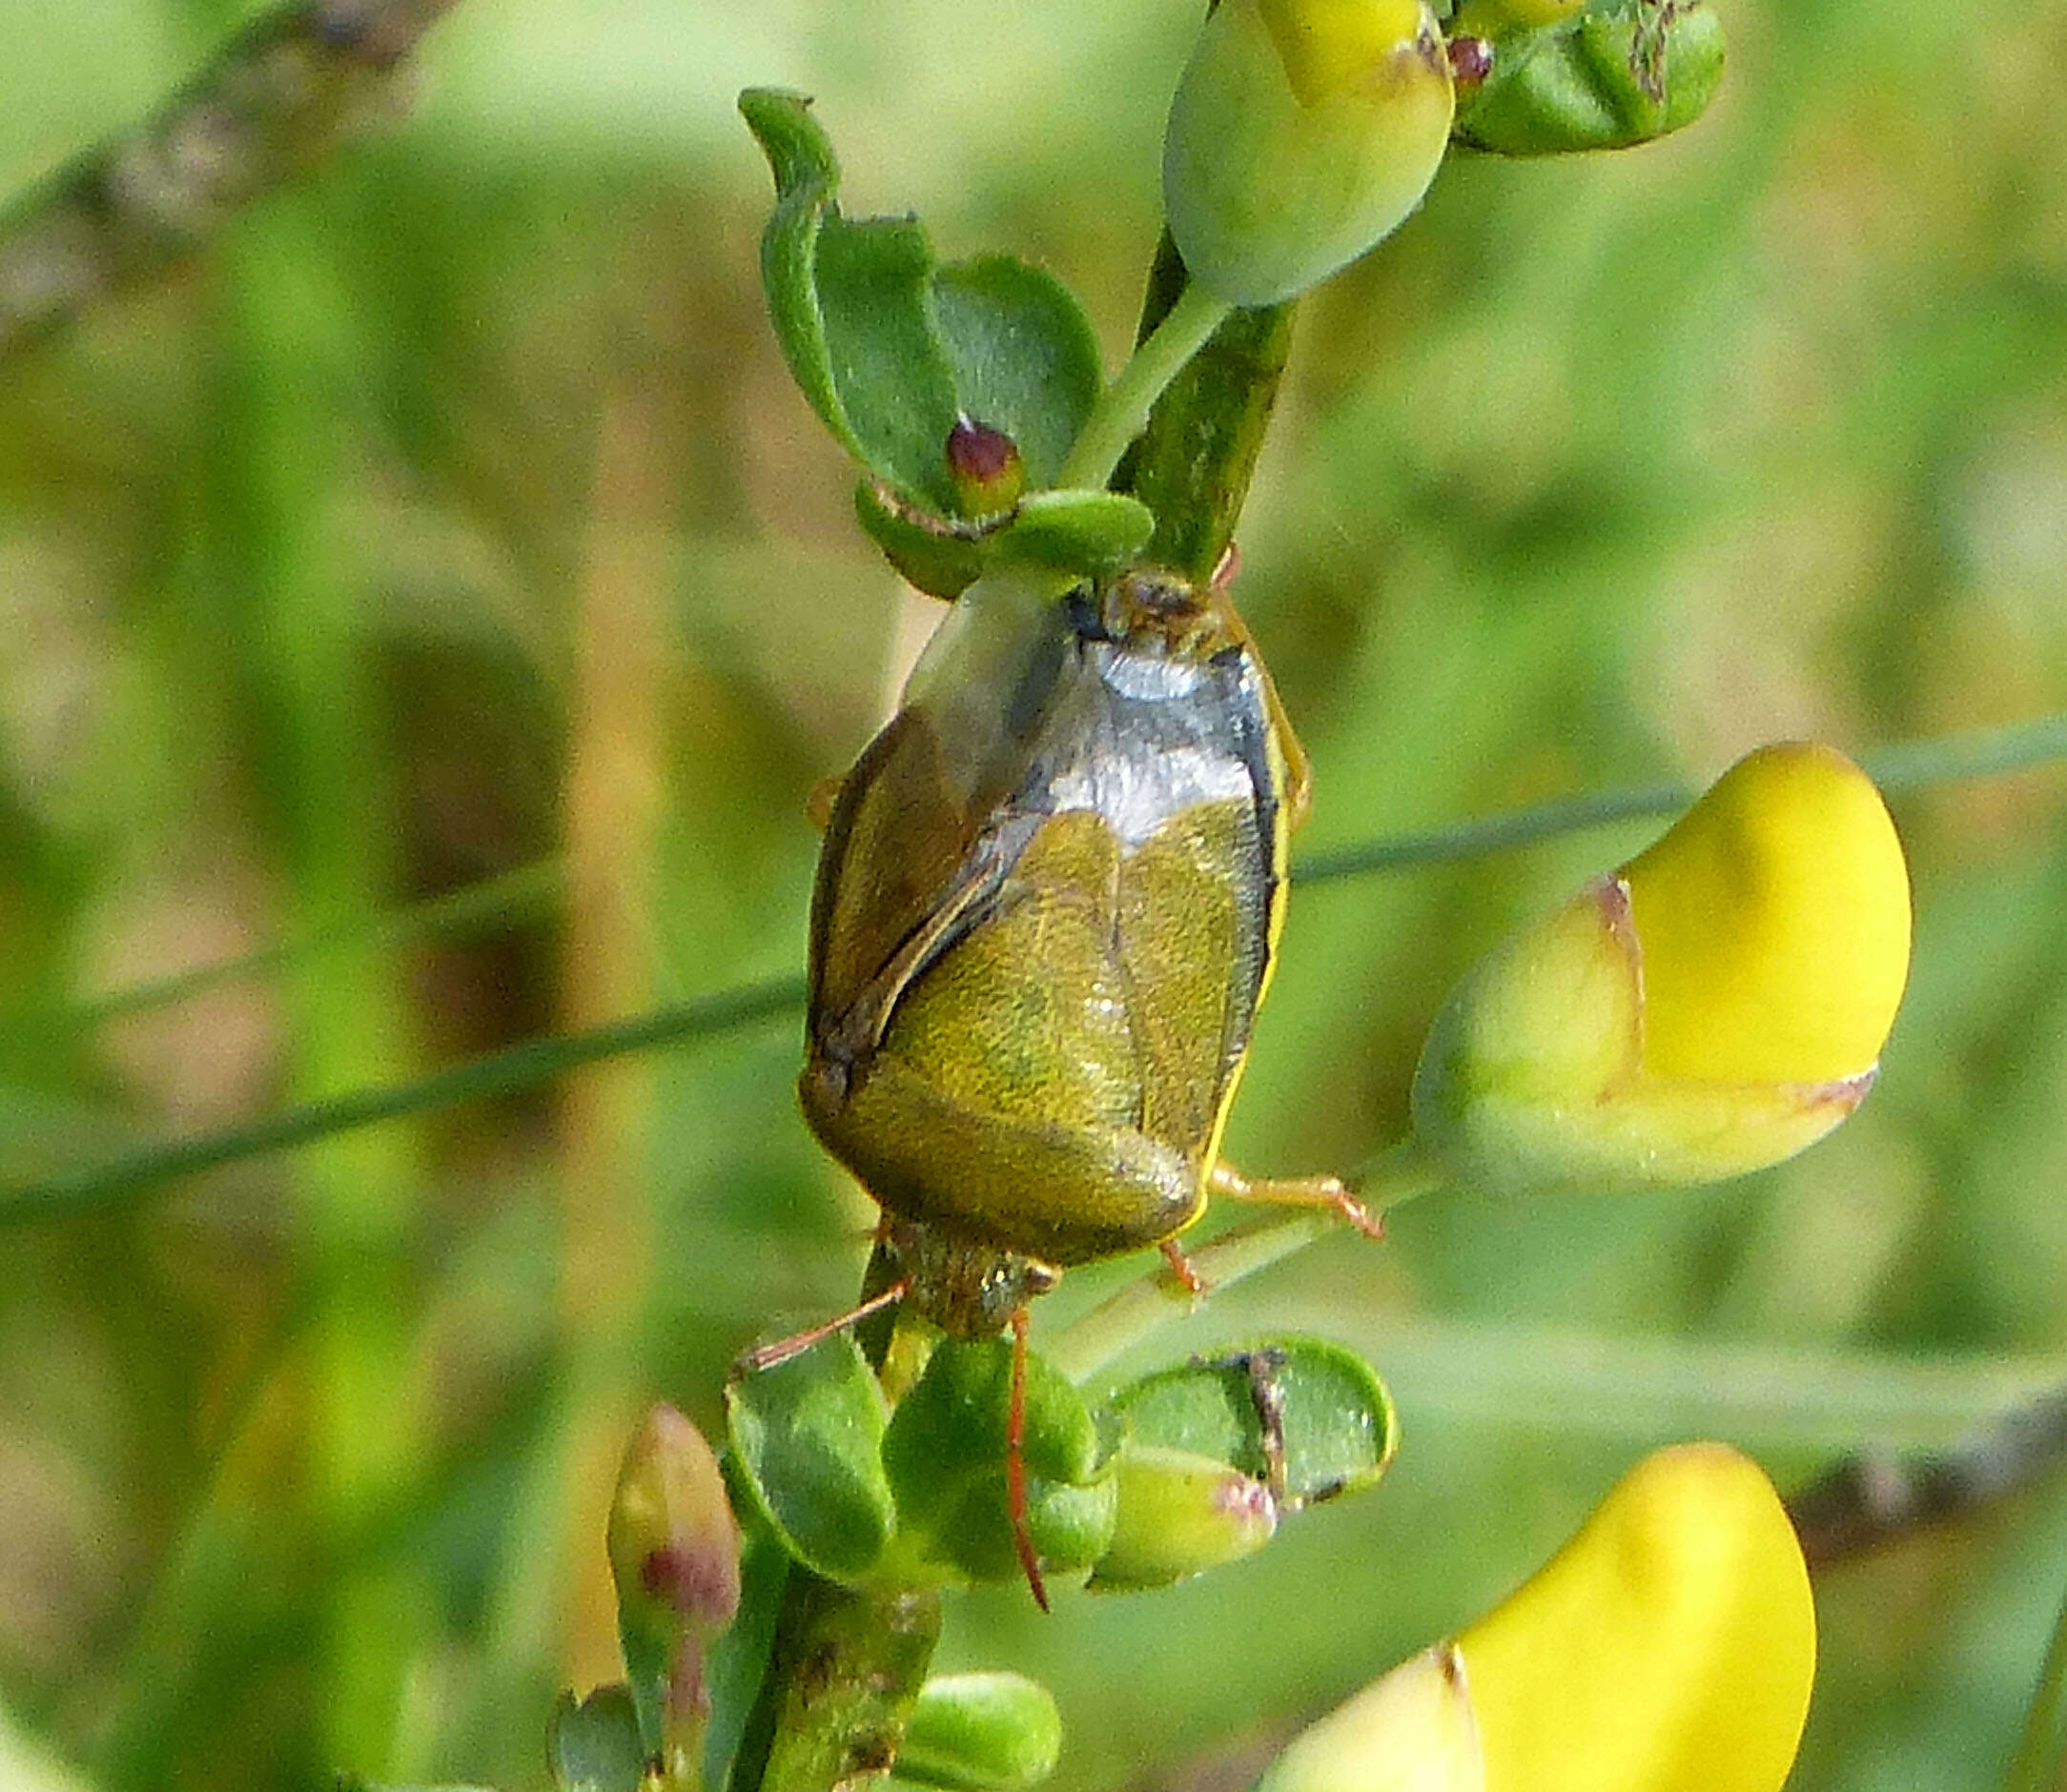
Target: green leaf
[[1309, 1418], [593, 1746], [1077, 531], [940, 558], [849, 303], [1023, 354], [738, 1660], [992, 1732], [945, 1456], [889, 347], [1611, 76], [808, 1436]]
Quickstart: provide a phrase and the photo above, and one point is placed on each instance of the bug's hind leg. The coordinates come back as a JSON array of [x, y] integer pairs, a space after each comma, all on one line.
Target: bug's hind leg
[[1297, 1192]]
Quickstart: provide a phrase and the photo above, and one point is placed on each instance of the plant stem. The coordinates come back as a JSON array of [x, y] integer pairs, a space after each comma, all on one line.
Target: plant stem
[[2036, 1765], [1400, 1175], [1193, 465], [1122, 413], [282, 97], [1904, 767], [495, 1073], [845, 1675]]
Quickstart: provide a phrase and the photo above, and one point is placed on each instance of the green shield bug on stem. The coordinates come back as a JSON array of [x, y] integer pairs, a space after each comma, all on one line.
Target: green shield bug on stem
[[1046, 912]]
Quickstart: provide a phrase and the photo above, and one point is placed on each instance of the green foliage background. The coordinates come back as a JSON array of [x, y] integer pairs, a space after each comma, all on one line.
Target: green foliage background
[[456, 512]]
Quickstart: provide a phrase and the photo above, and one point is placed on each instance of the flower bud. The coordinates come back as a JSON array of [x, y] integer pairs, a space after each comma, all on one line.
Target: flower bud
[[674, 1554], [1716, 1007], [985, 467], [1670, 1646], [1302, 132], [1179, 1515]]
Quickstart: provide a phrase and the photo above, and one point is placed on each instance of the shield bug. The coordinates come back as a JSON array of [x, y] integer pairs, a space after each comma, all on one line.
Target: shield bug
[[1046, 911]]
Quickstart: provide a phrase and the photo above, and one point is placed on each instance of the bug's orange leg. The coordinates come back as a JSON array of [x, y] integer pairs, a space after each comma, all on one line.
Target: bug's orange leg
[[751, 1363], [1180, 1266], [1297, 1192], [1015, 1462]]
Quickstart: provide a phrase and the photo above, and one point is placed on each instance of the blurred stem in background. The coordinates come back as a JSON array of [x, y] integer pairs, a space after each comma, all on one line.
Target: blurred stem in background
[[1904, 767], [282, 97]]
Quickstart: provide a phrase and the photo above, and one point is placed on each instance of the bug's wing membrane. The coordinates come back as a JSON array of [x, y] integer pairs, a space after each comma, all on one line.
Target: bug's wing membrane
[[915, 844], [1193, 941], [896, 849]]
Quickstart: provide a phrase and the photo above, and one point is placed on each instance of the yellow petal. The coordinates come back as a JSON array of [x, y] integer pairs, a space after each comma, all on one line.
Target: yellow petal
[[1668, 1647], [1774, 924], [1410, 1732], [1326, 44]]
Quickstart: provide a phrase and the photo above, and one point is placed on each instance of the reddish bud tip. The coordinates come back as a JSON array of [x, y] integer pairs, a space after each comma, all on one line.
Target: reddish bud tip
[[984, 465], [1471, 61]]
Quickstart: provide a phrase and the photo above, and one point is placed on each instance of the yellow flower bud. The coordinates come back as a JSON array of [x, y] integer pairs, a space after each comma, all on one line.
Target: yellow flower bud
[[1495, 19], [1302, 132], [1775, 919], [1716, 1007], [1670, 1646]]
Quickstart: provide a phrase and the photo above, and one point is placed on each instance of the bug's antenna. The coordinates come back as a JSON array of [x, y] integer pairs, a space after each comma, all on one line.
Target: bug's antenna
[[768, 1356]]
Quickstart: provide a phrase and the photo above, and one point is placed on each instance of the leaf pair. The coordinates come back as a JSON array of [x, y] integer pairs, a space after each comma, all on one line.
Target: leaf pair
[[1175, 1473], [892, 347]]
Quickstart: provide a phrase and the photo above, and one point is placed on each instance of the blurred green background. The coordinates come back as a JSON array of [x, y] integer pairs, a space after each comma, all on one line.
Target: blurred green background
[[455, 516]]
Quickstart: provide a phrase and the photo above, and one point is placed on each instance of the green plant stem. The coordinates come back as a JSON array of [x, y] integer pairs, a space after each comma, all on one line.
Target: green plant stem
[[1193, 465], [1402, 1173], [1122, 413], [2037, 1766], [507, 900], [499, 1074], [845, 1672], [1906, 767]]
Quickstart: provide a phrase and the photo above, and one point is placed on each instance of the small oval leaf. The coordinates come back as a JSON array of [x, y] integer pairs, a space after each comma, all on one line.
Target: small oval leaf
[[991, 1732], [1607, 78], [808, 1435], [1077, 531], [945, 1457], [941, 559], [1023, 354], [1307, 1418], [593, 1746]]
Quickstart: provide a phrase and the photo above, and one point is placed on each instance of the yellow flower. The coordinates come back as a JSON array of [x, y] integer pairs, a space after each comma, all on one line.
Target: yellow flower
[[1670, 1646], [1716, 1006], [1302, 132]]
